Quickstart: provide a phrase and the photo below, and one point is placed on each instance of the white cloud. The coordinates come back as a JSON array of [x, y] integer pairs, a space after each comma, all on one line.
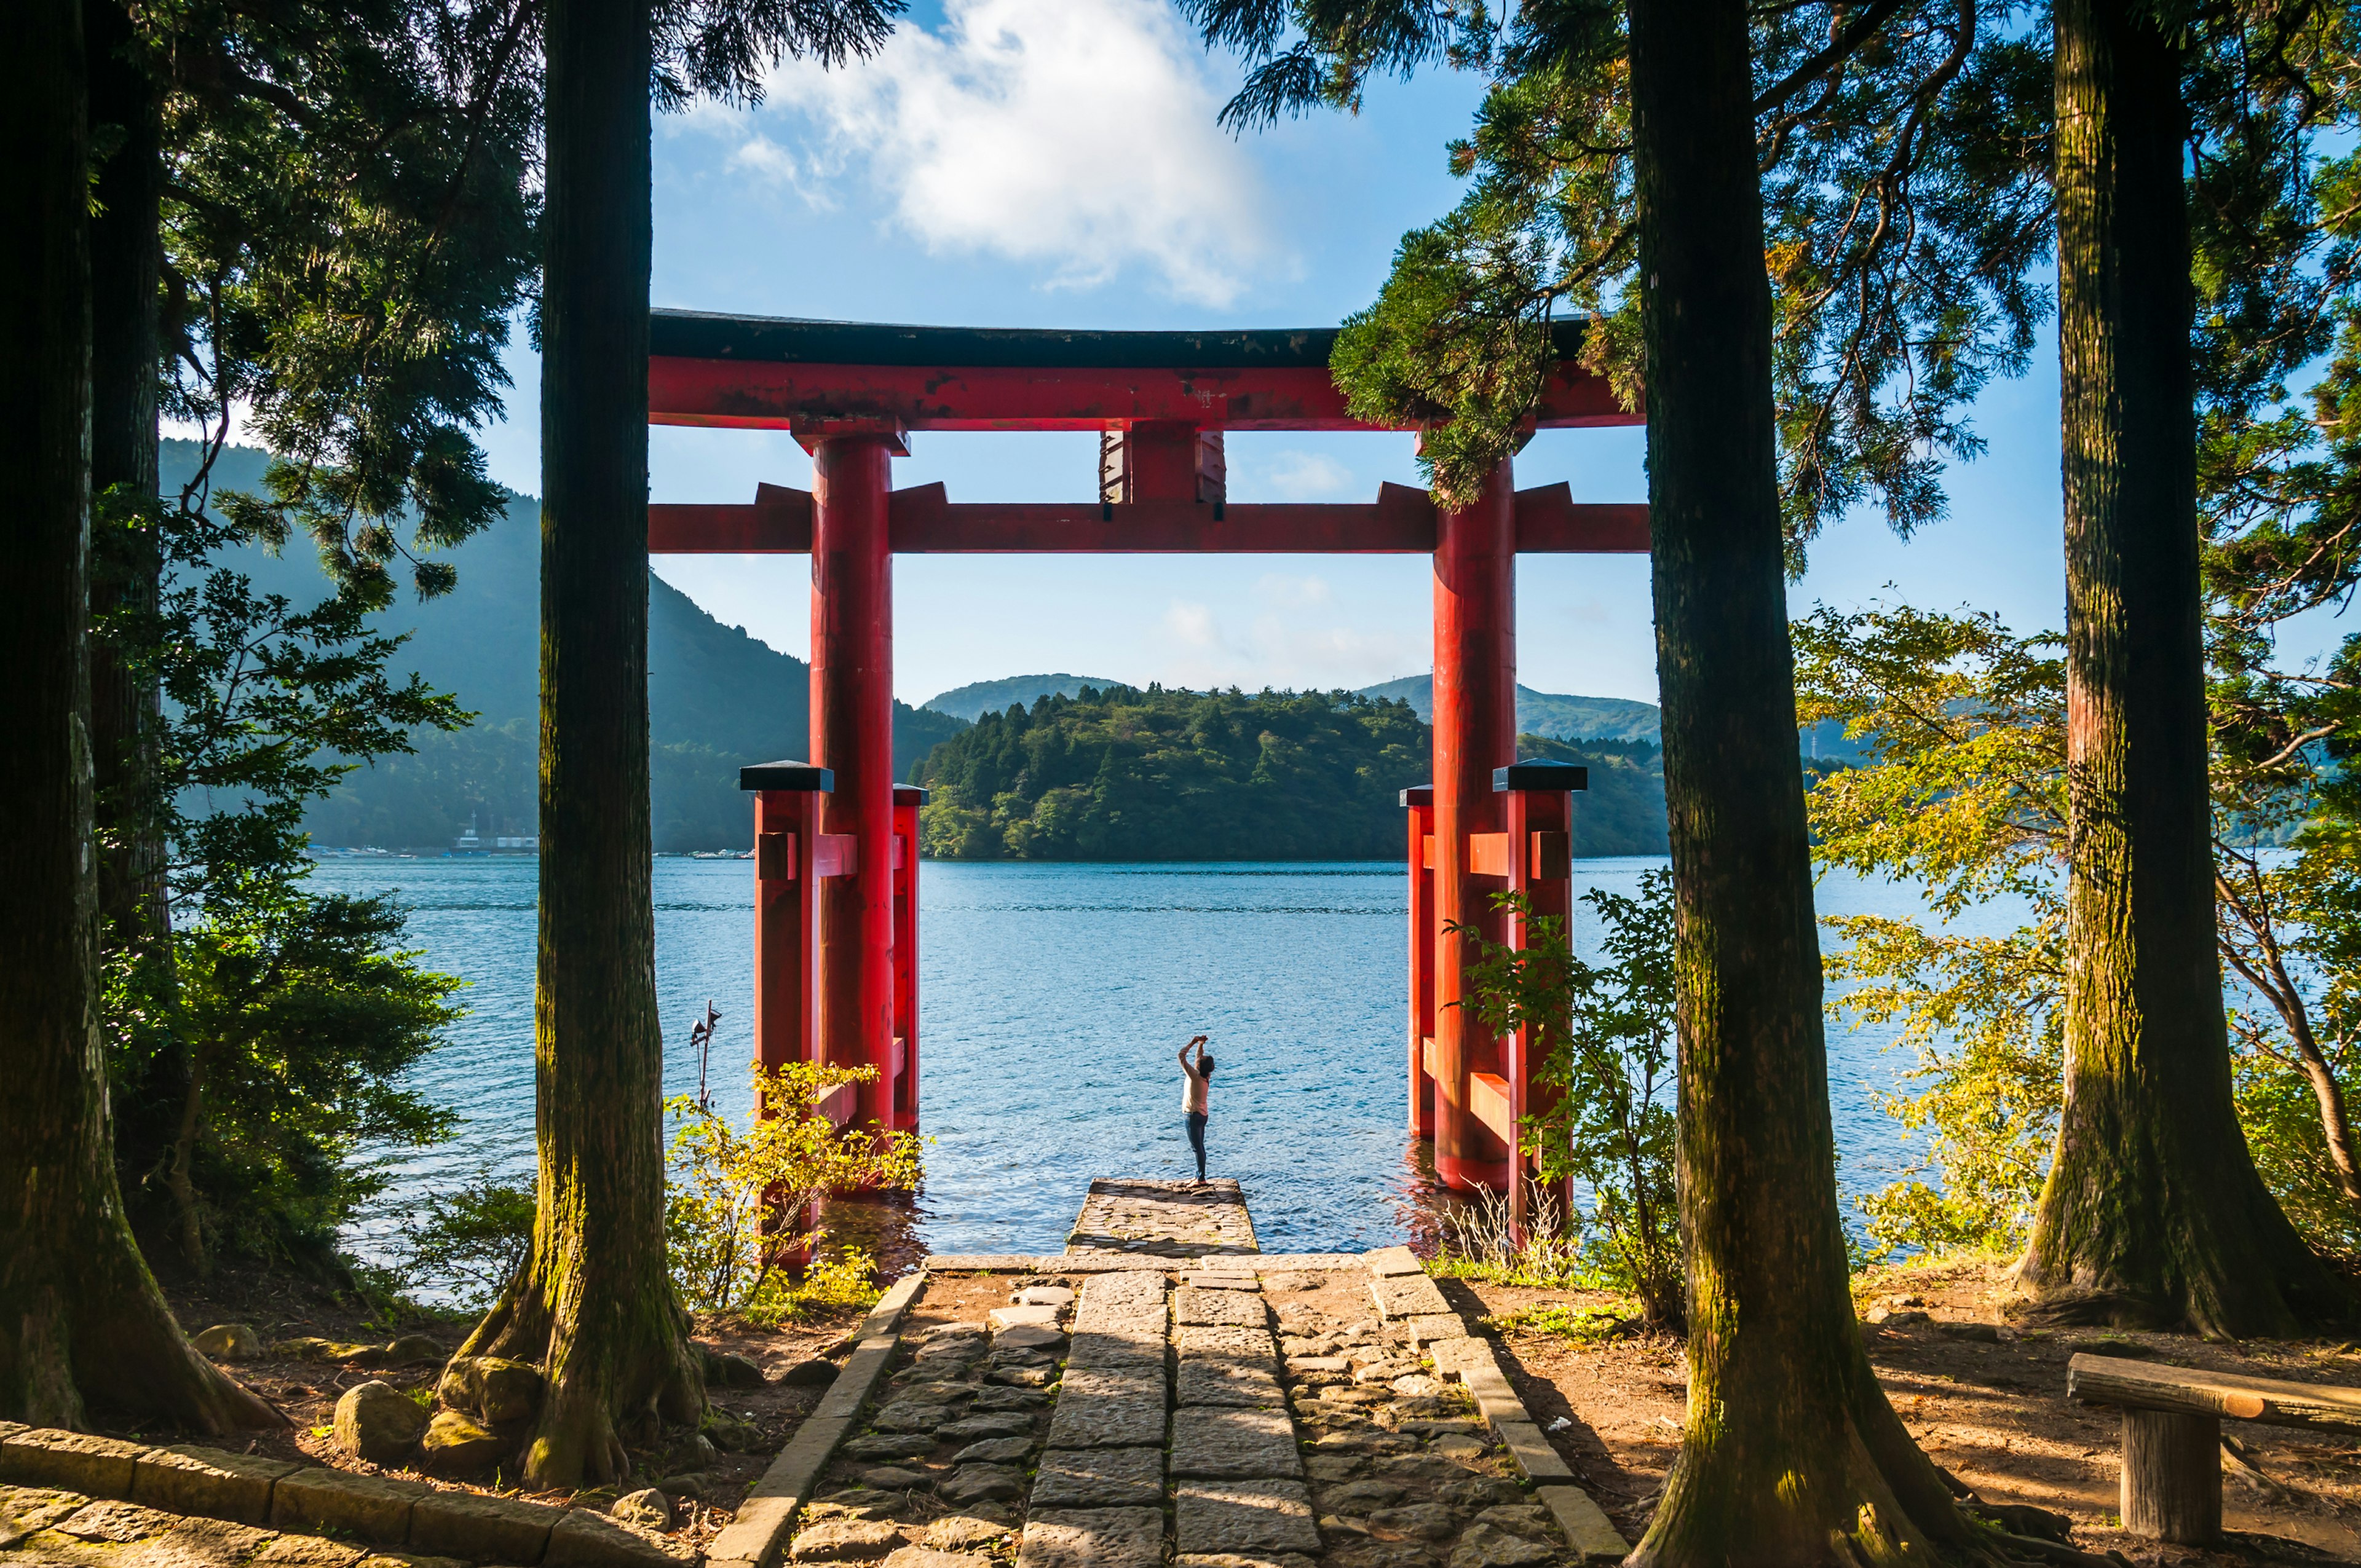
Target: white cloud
[[1077, 135], [1284, 647], [1303, 476]]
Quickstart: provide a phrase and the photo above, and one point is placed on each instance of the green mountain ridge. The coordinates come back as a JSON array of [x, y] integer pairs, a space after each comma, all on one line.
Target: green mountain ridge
[[972, 701], [718, 698]]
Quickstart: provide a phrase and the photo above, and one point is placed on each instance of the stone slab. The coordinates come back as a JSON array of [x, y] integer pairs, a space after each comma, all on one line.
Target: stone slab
[[1536, 1460], [1226, 1339], [1459, 1356], [1229, 1443], [1242, 1517], [371, 1506], [1012, 1316], [758, 1534], [1592, 1534], [1387, 1262], [188, 1479], [990, 1263], [1230, 1279], [1433, 1328], [1165, 1219], [468, 1524], [43, 1456], [1409, 1295], [1139, 1347], [1099, 1478], [1092, 1538], [1109, 1408], [1135, 1286], [1286, 1262], [1193, 1306], [1206, 1380], [200, 1542], [859, 1376], [885, 1318], [1143, 1321], [309, 1551]]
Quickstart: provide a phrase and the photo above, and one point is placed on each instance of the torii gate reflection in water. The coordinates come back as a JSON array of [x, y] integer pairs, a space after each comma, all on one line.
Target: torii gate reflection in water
[[836, 842]]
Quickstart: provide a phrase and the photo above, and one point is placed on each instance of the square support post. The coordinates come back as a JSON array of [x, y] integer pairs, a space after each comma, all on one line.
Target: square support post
[[1419, 805], [908, 799], [1537, 803], [786, 909], [853, 736], [1475, 732]]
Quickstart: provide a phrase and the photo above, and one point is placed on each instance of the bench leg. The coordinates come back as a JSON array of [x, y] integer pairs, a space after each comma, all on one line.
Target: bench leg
[[2172, 1477]]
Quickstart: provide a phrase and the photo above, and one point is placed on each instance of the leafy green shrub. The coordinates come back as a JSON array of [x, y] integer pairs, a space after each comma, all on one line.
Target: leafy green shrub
[[1602, 1037], [470, 1241], [738, 1202]]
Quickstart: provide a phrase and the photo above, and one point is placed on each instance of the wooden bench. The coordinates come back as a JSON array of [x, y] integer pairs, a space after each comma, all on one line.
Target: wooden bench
[[2173, 1433]]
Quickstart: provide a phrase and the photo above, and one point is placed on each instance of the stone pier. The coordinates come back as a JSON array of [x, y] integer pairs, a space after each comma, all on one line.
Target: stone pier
[[1164, 1219]]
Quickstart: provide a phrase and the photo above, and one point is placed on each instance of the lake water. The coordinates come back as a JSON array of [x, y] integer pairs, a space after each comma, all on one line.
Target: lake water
[[1052, 1001]]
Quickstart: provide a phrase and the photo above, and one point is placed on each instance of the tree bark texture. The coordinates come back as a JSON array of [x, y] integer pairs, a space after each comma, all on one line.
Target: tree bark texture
[[82, 1323], [2153, 1212], [2172, 1477], [594, 1303], [134, 914], [1791, 1454]]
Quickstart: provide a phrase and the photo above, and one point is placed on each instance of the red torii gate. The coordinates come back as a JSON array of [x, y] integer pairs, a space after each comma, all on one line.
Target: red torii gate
[[836, 842]]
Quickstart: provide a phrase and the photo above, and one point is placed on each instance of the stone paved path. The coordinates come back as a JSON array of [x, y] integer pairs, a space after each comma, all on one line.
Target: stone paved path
[[1164, 1219]]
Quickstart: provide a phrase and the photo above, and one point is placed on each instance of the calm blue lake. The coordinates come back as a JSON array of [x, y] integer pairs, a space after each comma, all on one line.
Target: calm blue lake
[[1053, 999]]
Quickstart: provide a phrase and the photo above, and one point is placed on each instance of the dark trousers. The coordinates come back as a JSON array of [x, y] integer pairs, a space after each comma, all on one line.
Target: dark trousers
[[1196, 1120]]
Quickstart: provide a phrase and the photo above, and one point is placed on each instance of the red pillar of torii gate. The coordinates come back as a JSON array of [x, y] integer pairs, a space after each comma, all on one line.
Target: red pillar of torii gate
[[837, 841]]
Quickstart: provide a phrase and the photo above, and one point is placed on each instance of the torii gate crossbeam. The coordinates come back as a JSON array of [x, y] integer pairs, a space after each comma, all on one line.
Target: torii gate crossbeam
[[836, 847]]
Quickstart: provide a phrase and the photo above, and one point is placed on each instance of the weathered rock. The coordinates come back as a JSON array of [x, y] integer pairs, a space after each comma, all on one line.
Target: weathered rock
[[492, 1388], [1003, 1398], [1029, 1336], [1428, 1521], [411, 1348], [1892, 1317], [1416, 1385], [965, 1532], [695, 1452], [582, 1539], [646, 1507], [373, 1508], [1045, 1295], [1476, 1492], [1332, 1466], [727, 1371], [890, 1446], [994, 1451], [1241, 1560], [229, 1342], [897, 1478], [929, 1557], [844, 1540], [1109, 1408], [1207, 1381], [206, 1543], [1092, 1538], [1022, 1377], [378, 1422], [189, 1479], [457, 1445], [1488, 1546], [982, 1483], [912, 1416], [861, 1503], [505, 1529], [109, 1519], [732, 1435], [1006, 1318], [813, 1374], [309, 1551], [1518, 1518], [688, 1486], [24, 1511], [1356, 1496], [1968, 1329], [1001, 1424]]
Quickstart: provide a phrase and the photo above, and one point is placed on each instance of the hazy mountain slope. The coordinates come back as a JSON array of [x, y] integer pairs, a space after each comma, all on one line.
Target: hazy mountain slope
[[1563, 718], [972, 701], [716, 697]]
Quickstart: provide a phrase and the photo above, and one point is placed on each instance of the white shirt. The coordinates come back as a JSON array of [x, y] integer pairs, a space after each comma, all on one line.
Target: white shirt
[[1192, 1089]]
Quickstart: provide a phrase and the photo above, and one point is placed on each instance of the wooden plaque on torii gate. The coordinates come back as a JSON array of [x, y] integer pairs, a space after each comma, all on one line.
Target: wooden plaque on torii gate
[[837, 841]]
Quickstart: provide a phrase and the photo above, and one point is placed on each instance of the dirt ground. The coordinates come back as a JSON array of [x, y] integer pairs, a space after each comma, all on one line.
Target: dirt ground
[[279, 1309], [1992, 1410]]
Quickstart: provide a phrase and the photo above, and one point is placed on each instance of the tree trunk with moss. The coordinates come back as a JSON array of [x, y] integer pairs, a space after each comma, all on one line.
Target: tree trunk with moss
[[134, 911], [1792, 1454], [82, 1323], [2153, 1212], [595, 1305]]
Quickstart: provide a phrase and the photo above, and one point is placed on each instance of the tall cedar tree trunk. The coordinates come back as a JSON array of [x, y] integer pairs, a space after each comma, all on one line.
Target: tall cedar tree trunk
[[82, 1323], [1792, 1453], [2153, 1212], [125, 264], [594, 1303]]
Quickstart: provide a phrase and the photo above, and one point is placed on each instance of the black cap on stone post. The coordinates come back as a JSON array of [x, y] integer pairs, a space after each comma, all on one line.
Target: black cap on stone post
[[1541, 775], [788, 775]]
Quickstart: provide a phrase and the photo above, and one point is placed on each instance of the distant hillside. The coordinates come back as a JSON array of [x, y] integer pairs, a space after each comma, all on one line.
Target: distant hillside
[[716, 697], [1126, 774], [1599, 717], [974, 700]]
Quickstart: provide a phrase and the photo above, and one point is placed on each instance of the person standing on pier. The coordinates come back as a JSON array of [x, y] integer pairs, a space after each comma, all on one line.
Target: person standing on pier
[[1192, 1099]]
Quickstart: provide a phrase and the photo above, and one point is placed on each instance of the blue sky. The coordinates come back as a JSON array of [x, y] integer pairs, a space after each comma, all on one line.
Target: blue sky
[[1055, 162]]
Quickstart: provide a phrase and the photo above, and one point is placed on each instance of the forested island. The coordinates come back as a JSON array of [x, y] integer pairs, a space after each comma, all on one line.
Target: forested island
[[1122, 773]]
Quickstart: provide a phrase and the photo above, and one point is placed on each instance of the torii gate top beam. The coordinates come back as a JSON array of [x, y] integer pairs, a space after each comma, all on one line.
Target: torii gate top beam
[[777, 373]]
